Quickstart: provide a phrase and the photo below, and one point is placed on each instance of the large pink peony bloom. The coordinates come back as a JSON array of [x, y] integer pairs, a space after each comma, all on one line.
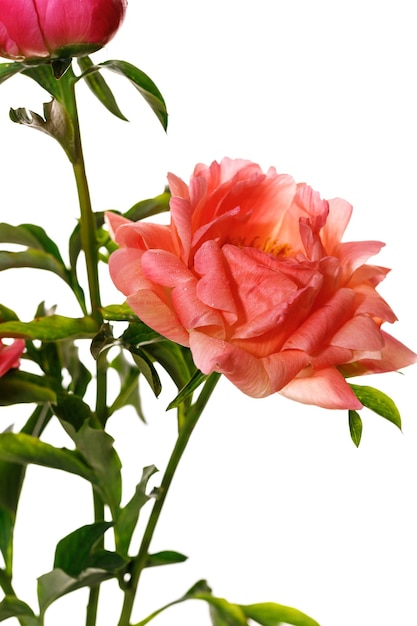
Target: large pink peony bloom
[[31, 29], [253, 277], [10, 354]]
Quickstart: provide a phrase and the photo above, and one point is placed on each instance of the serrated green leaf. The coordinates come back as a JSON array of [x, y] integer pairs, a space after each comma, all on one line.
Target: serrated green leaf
[[166, 557], [99, 87], [73, 552], [51, 328], [22, 448], [143, 84], [11, 606], [17, 387], [129, 514], [7, 70], [355, 427], [149, 207], [378, 402], [271, 614]]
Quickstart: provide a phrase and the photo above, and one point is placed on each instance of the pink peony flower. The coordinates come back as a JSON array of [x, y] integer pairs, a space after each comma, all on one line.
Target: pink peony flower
[[252, 275], [9, 355], [31, 29]]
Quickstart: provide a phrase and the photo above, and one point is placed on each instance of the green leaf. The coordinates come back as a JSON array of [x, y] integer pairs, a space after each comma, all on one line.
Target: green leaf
[[355, 427], [72, 409], [143, 84], [11, 606], [44, 76], [96, 447], [18, 387], [378, 402], [55, 122], [129, 515], [57, 583], [149, 207], [22, 448], [271, 614], [103, 340], [119, 313], [29, 235], [73, 552], [98, 86], [80, 374], [166, 557], [7, 315], [138, 334], [7, 521], [35, 259], [146, 368], [51, 328], [195, 381], [129, 386], [7, 70]]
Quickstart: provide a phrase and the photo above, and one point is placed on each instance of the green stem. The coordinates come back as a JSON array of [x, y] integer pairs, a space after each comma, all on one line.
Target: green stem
[[73, 148], [139, 563], [74, 151]]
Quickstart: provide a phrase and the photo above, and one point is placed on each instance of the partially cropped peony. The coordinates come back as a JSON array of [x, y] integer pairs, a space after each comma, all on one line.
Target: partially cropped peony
[[37, 29], [252, 275], [10, 355]]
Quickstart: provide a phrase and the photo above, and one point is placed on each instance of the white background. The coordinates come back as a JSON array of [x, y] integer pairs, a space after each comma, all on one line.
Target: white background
[[272, 500]]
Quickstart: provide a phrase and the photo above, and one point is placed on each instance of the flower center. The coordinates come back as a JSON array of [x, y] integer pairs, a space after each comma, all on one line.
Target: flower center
[[268, 245]]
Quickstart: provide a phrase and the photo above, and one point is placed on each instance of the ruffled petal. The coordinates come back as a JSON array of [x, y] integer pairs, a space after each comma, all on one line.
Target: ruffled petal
[[325, 388]]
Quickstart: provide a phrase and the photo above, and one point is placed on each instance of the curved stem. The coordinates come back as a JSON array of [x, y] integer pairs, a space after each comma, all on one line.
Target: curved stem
[[139, 563]]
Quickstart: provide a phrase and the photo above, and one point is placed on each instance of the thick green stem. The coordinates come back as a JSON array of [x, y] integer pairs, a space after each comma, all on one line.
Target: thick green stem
[[87, 220], [139, 563], [89, 246]]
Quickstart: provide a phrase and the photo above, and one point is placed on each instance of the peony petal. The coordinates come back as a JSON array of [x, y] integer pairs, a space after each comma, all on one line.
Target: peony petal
[[164, 268], [283, 366], [316, 333], [326, 388], [394, 356], [126, 271], [245, 371], [157, 314], [213, 287], [359, 333]]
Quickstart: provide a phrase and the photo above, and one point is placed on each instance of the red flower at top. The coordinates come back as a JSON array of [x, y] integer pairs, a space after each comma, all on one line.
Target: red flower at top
[[32, 29]]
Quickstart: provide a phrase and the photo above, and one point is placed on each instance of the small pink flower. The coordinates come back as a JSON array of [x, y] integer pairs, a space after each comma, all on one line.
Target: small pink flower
[[252, 275], [31, 29], [10, 354]]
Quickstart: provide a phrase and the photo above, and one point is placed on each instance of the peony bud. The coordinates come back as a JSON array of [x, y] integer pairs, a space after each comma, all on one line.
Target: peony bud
[[9, 355], [41, 29]]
